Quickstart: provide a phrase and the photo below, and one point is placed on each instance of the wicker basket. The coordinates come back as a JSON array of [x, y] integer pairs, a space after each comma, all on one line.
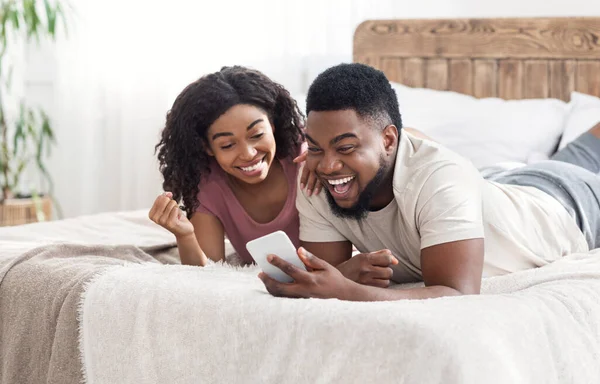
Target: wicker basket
[[22, 211]]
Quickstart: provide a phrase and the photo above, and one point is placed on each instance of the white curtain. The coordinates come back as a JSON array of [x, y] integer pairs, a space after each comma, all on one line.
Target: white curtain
[[115, 75]]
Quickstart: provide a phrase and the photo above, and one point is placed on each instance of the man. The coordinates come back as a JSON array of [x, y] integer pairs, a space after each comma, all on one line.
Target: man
[[419, 212]]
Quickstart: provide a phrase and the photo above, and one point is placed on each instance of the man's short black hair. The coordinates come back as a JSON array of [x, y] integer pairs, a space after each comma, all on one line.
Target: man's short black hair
[[355, 86]]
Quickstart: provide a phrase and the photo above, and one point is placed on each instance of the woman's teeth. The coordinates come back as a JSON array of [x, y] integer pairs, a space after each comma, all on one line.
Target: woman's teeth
[[252, 168]]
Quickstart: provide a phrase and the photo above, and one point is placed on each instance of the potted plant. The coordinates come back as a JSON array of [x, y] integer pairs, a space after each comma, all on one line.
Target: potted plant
[[26, 135]]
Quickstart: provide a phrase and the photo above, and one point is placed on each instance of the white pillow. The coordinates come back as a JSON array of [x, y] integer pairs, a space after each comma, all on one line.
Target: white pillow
[[487, 131], [584, 113]]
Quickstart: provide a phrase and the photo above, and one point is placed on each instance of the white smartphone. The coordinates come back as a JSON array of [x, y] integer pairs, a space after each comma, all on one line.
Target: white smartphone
[[277, 243]]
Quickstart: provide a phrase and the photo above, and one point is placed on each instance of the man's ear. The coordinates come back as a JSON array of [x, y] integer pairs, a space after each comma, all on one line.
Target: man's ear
[[390, 138]]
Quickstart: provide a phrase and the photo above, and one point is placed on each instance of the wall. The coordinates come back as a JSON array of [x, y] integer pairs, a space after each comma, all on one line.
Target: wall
[[109, 85]]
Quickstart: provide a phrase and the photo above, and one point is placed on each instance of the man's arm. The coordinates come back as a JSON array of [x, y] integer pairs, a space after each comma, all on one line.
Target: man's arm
[[450, 269], [334, 253]]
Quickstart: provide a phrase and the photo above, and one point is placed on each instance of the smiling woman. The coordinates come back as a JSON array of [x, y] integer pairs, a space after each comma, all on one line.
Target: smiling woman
[[227, 153], [244, 151]]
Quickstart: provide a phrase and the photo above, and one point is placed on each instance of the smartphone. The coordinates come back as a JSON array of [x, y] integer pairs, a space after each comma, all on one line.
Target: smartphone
[[277, 243]]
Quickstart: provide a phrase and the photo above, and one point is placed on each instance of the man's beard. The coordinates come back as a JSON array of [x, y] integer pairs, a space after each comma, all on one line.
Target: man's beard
[[359, 210]]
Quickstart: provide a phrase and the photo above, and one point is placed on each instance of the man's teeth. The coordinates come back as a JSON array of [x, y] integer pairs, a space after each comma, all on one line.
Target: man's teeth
[[341, 181], [252, 168]]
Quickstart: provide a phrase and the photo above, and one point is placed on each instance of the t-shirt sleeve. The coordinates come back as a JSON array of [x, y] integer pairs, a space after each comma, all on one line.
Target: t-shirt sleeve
[[203, 209], [314, 227], [449, 206]]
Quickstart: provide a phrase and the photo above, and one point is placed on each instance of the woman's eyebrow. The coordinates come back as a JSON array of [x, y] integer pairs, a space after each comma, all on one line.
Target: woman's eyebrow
[[221, 134]]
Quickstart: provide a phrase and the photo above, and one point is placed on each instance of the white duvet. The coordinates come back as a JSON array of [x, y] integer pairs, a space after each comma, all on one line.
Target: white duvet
[[177, 324]]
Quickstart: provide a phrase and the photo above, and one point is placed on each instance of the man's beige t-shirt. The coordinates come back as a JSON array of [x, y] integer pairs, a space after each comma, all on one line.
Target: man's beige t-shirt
[[440, 197]]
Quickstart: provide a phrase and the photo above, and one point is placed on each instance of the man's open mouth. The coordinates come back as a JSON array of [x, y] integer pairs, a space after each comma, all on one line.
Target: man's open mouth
[[339, 188]]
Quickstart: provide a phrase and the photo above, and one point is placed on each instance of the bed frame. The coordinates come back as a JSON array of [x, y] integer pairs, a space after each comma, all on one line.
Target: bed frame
[[510, 58]]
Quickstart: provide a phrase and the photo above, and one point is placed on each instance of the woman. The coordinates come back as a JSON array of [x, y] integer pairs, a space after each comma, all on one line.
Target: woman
[[227, 151]]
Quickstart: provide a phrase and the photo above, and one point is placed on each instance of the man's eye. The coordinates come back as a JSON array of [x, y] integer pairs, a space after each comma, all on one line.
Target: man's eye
[[313, 149], [347, 148]]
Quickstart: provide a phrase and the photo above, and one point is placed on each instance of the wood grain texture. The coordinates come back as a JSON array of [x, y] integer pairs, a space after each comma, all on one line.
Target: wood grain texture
[[485, 73], [588, 77], [510, 79], [549, 38], [511, 58], [393, 68], [436, 74], [368, 60], [536, 80], [461, 76], [413, 73], [562, 79]]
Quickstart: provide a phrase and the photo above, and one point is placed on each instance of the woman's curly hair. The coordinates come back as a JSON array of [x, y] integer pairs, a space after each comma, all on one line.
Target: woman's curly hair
[[182, 156]]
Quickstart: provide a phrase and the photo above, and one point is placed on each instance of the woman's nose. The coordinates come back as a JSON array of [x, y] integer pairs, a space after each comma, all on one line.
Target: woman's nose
[[249, 152]]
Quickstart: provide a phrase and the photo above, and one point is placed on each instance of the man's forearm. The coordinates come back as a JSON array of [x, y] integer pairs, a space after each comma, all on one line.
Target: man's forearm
[[359, 292], [334, 253], [190, 252]]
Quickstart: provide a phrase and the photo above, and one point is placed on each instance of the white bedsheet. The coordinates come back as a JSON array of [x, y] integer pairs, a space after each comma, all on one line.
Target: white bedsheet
[[113, 228], [110, 228], [177, 324]]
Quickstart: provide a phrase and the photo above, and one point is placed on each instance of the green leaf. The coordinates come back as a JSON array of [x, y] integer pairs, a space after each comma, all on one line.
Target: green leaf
[[13, 14], [30, 122], [40, 145], [3, 36], [19, 170], [4, 42], [32, 19], [8, 14], [1, 165], [14, 17], [47, 132], [46, 127], [19, 133], [51, 15], [3, 19], [4, 149], [4, 153]]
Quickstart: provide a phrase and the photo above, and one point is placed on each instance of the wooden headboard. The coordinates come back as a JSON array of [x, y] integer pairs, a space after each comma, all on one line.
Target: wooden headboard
[[511, 58]]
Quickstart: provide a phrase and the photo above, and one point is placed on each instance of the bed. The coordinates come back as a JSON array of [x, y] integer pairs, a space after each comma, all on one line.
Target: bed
[[103, 299]]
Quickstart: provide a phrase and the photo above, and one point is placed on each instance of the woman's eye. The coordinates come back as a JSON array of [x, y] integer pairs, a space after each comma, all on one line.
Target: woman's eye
[[258, 136], [226, 146], [313, 149]]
